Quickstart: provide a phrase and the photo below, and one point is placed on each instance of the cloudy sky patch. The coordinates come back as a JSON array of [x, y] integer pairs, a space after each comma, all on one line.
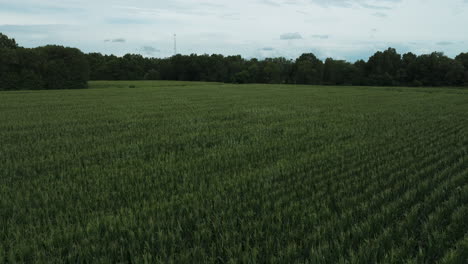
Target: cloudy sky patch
[[117, 40], [148, 50], [444, 43], [318, 36], [242, 27], [290, 36]]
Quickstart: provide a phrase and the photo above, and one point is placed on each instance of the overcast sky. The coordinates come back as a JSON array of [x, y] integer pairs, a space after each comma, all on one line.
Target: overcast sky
[[342, 29]]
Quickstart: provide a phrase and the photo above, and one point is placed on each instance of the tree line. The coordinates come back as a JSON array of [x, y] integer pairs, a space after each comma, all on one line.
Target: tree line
[[387, 68], [57, 67], [48, 67]]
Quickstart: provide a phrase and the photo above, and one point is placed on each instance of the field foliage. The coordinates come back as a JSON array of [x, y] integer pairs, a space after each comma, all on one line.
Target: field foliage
[[177, 172]]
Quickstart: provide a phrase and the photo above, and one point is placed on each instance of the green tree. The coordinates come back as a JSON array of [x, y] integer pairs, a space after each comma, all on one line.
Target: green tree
[[64, 68], [308, 69], [242, 77], [383, 68], [7, 43], [436, 69], [32, 64], [9, 69], [359, 76], [406, 72], [338, 72], [272, 71], [152, 75], [463, 59]]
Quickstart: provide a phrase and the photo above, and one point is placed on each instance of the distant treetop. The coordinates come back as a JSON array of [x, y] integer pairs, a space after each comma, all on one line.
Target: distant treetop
[[6, 42]]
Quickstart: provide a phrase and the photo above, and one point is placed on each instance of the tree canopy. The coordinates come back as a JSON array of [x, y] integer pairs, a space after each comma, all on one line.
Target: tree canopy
[[56, 67], [384, 68], [49, 67], [7, 43]]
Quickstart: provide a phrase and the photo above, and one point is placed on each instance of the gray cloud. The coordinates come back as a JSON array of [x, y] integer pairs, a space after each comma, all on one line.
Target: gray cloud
[[119, 40], [149, 50], [212, 5], [230, 16], [33, 8], [362, 3], [124, 21], [379, 14], [444, 43], [268, 49], [376, 7], [30, 29], [173, 8], [320, 36], [272, 2], [290, 36]]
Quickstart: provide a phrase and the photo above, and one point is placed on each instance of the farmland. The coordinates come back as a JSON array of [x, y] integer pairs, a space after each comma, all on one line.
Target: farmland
[[178, 172]]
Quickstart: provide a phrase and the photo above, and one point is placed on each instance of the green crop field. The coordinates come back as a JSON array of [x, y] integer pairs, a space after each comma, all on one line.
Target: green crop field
[[175, 172]]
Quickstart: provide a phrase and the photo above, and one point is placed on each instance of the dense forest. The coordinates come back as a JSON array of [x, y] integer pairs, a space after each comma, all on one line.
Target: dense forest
[[48, 67], [387, 68], [56, 67]]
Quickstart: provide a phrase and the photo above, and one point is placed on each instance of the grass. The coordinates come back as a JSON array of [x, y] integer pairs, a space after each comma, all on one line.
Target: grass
[[176, 172]]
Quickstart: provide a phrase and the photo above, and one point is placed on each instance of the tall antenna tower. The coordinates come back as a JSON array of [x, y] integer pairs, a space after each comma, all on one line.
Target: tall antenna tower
[[175, 44]]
